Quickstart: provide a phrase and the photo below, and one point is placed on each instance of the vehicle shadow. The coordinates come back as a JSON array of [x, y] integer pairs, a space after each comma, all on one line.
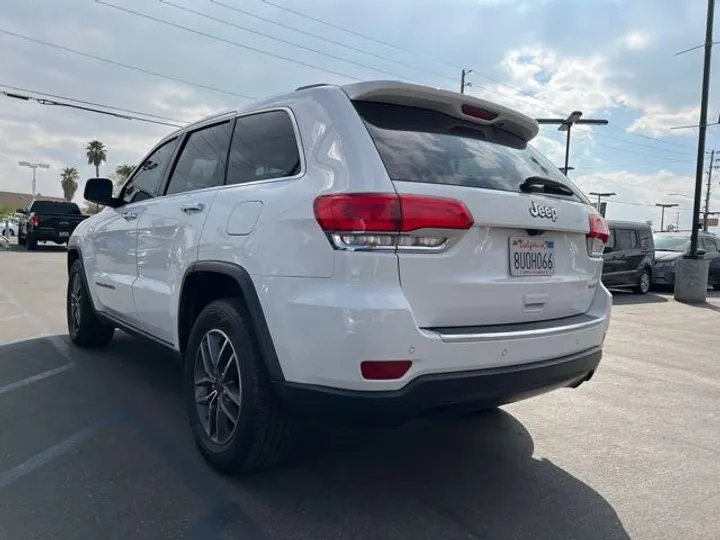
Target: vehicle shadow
[[41, 247], [470, 477], [622, 297]]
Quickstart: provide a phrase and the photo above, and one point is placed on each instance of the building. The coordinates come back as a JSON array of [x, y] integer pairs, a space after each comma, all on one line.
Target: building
[[14, 201]]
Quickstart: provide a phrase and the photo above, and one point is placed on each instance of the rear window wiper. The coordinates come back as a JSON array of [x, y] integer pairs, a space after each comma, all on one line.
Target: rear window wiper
[[541, 184]]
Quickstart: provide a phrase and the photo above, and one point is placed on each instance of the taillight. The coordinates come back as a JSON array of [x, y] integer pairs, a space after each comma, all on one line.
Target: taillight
[[387, 221], [384, 370], [34, 220], [598, 235]]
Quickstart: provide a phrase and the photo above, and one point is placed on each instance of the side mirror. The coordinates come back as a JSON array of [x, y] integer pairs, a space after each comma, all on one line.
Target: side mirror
[[20, 211], [701, 252], [100, 191]]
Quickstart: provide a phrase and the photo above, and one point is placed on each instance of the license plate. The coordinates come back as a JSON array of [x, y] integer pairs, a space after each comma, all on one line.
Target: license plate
[[531, 256], [64, 234]]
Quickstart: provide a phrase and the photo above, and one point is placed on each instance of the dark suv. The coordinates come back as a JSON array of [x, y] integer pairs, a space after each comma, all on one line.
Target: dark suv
[[629, 256]]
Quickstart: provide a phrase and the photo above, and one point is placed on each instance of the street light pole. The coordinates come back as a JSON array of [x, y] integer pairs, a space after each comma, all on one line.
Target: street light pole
[[566, 125], [662, 215], [34, 167], [600, 197]]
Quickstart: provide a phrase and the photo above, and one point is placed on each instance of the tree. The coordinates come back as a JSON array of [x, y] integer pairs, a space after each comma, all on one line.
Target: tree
[[90, 209], [121, 174], [96, 154], [69, 181]]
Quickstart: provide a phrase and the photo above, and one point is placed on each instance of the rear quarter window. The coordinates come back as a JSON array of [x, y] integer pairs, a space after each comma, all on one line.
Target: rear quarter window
[[422, 145]]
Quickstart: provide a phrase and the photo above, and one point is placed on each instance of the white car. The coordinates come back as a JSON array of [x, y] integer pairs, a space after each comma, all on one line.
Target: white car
[[371, 253], [8, 229]]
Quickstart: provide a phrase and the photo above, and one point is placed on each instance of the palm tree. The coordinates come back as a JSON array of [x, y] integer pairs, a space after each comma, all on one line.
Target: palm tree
[[69, 181], [96, 154], [122, 172]]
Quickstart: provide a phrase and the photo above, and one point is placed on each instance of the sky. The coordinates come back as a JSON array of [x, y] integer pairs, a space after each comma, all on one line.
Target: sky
[[184, 59]]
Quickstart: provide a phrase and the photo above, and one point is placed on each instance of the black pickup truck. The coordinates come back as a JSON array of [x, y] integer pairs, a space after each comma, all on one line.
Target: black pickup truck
[[48, 221]]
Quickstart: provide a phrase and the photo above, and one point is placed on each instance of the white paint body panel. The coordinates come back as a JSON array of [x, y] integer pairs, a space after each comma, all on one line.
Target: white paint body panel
[[328, 310]]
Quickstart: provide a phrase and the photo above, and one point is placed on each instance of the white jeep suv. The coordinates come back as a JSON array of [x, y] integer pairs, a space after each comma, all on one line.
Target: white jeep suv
[[370, 253]]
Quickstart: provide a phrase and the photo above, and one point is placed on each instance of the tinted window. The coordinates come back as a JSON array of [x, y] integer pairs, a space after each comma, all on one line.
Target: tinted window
[[202, 160], [419, 145], [49, 207], [263, 147], [625, 239], [611, 239], [709, 245], [646, 239], [146, 181]]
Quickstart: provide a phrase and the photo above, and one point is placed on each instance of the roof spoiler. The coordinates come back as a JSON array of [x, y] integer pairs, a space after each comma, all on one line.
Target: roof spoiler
[[461, 106]]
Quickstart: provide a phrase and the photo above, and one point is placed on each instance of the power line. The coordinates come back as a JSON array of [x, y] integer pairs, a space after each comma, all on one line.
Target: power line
[[617, 148], [126, 66], [43, 101], [247, 47], [631, 165], [328, 40], [228, 41], [91, 103], [280, 40], [444, 62]]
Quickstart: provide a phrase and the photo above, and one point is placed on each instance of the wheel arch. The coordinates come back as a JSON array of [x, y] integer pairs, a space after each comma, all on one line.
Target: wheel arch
[[236, 280]]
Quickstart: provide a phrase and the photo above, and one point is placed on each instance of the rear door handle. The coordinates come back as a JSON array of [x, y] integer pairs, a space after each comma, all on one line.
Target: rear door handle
[[192, 208], [129, 215]]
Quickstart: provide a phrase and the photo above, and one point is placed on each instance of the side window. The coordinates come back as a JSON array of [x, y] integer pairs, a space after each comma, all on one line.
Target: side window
[[263, 147], [146, 181], [611, 239], [709, 245], [202, 160], [625, 239], [645, 239], [634, 240]]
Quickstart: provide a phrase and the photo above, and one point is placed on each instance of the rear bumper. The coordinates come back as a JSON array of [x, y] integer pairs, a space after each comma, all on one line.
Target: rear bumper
[[441, 393], [49, 235]]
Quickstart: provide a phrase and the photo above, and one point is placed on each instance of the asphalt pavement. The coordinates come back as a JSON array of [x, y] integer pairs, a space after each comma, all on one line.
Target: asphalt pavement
[[95, 444]]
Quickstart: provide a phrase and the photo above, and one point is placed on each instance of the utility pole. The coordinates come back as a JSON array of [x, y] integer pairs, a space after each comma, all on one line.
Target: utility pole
[[566, 124], [662, 215], [463, 84], [707, 212], [703, 128]]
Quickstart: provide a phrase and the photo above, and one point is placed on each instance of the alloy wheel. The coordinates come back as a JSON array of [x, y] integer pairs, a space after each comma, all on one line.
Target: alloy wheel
[[75, 301], [217, 386], [645, 282]]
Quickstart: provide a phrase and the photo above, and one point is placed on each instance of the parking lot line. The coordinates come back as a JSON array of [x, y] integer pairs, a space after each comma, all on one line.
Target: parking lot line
[[34, 378], [55, 451]]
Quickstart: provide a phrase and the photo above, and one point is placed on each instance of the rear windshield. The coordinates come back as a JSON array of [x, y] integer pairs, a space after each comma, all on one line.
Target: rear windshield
[[420, 145], [667, 242], [50, 207]]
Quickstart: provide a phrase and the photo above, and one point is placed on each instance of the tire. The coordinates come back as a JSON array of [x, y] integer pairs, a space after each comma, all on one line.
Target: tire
[[263, 433], [84, 326], [30, 243], [644, 282]]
